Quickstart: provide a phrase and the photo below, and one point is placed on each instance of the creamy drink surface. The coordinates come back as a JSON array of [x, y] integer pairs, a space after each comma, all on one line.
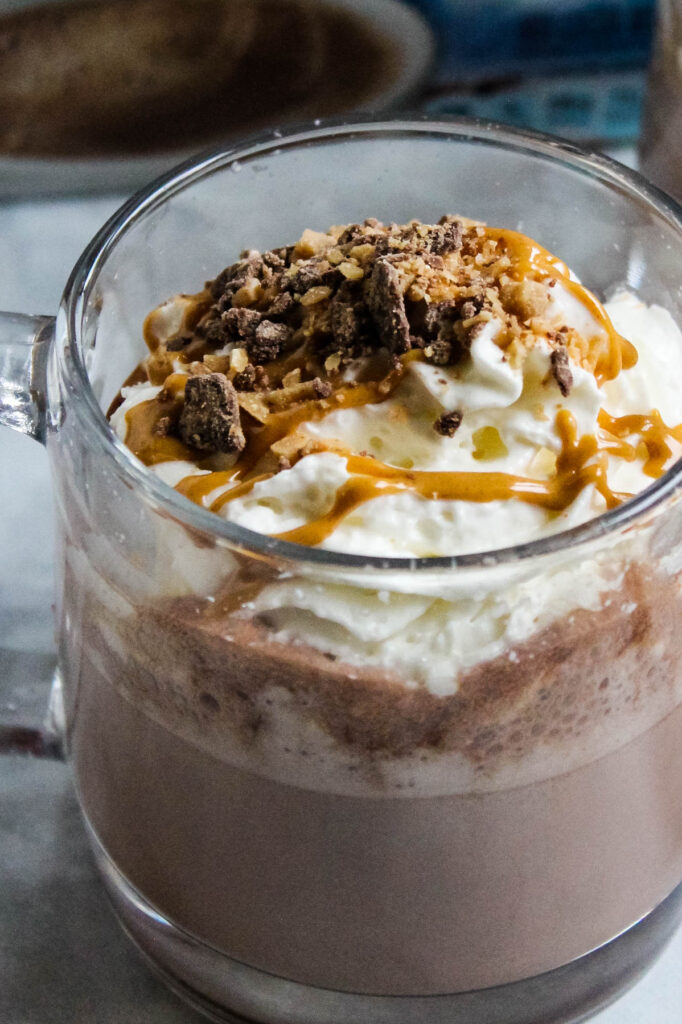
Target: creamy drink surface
[[395, 781]]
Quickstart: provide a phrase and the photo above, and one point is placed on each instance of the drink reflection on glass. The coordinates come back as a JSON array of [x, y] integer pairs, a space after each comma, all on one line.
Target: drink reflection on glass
[[661, 141]]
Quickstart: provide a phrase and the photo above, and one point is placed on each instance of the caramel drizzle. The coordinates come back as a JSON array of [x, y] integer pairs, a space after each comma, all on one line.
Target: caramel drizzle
[[654, 436], [280, 425], [371, 479], [581, 462], [532, 260]]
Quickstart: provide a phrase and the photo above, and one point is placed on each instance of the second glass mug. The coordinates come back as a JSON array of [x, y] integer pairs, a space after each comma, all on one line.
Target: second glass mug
[[292, 840]]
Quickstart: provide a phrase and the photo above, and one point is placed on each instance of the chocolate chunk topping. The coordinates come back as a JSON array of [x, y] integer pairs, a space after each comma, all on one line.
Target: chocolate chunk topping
[[312, 274], [387, 307], [246, 380], [215, 333], [448, 424], [561, 370], [210, 416], [351, 323], [228, 283], [360, 234], [469, 309], [438, 313], [280, 306], [443, 351], [446, 237], [268, 341], [241, 322], [275, 260]]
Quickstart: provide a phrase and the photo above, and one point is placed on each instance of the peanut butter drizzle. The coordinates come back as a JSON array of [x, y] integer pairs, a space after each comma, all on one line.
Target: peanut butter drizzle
[[372, 479], [260, 439], [144, 435], [654, 434], [196, 306], [531, 260]]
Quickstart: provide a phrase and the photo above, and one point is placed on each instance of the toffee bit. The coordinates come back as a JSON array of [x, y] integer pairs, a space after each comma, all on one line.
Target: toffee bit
[[469, 309], [322, 388], [246, 379], [283, 463], [210, 418], [387, 307], [268, 341], [444, 351], [561, 370], [448, 424], [162, 427]]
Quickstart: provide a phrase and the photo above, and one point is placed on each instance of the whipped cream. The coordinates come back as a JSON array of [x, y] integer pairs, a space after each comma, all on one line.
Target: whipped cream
[[508, 426], [509, 406]]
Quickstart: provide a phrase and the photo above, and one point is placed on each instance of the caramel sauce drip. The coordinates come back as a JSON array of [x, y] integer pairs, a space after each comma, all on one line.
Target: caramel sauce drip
[[531, 260], [194, 308], [575, 470], [372, 479], [260, 439], [146, 436], [654, 436]]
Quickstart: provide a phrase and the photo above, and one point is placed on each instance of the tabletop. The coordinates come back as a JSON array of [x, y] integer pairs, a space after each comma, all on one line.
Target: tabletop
[[63, 959]]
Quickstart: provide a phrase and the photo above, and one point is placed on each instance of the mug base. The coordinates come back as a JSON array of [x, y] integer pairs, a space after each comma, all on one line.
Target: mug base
[[228, 991]]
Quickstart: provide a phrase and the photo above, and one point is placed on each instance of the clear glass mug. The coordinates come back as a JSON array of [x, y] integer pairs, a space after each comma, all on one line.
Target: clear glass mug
[[293, 839]]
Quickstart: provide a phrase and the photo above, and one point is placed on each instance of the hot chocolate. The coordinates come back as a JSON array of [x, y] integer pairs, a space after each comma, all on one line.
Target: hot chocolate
[[413, 782]]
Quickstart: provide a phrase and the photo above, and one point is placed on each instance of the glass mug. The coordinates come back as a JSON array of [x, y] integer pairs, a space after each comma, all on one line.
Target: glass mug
[[294, 840]]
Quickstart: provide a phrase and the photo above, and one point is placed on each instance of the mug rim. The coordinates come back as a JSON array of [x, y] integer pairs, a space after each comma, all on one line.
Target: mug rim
[[240, 538]]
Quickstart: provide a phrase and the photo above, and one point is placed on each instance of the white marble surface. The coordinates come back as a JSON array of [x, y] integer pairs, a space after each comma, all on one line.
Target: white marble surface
[[62, 957]]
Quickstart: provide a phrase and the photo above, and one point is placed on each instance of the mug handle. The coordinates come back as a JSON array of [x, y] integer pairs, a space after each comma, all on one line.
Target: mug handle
[[25, 343]]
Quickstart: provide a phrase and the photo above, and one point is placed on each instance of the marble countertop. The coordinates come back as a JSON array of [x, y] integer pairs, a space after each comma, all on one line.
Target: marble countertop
[[63, 959]]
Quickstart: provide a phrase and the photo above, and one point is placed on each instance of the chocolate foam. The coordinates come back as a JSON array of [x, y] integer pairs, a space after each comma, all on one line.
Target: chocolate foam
[[582, 685]]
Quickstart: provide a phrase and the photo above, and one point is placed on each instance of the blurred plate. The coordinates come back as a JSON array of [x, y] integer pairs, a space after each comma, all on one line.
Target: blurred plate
[[399, 25]]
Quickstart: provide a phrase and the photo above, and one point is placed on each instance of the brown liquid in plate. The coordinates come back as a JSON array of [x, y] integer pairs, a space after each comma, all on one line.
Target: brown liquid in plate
[[135, 76]]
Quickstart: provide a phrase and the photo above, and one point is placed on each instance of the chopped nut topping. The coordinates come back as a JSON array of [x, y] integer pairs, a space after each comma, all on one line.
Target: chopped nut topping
[[239, 360]]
